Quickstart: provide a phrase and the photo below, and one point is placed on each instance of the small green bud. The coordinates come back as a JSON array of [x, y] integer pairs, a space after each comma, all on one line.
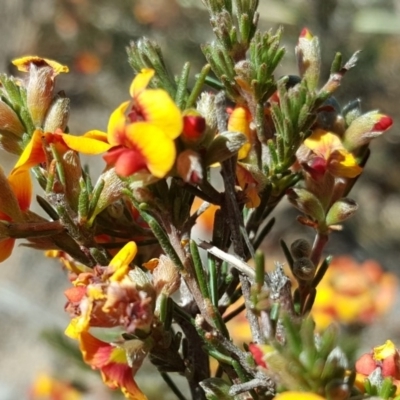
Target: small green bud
[[306, 202], [365, 128], [340, 211], [73, 173], [224, 146], [57, 115], [9, 121], [308, 58]]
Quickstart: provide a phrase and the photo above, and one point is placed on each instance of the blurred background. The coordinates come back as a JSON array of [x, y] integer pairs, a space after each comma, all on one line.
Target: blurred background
[[90, 36]]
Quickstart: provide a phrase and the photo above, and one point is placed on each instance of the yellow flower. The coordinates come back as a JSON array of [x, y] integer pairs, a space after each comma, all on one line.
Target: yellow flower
[[141, 133], [330, 155]]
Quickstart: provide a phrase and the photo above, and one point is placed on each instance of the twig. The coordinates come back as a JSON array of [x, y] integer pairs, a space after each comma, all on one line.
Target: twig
[[230, 259]]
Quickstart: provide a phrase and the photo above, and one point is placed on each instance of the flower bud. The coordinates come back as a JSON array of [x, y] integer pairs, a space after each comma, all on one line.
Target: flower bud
[[340, 211], [224, 146], [303, 269], [57, 115], [39, 92], [73, 173], [9, 121], [206, 107], [365, 128], [308, 58], [300, 248], [189, 166], [194, 126], [306, 202], [111, 192]]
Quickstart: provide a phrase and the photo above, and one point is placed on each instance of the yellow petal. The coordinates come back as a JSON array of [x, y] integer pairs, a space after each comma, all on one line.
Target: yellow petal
[[141, 81], [239, 121], [23, 64], [155, 146], [124, 256], [323, 143], [343, 164], [160, 110], [386, 350], [116, 124], [86, 144], [98, 135]]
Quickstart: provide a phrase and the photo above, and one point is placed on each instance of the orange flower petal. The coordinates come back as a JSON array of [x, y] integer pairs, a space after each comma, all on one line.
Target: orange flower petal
[[33, 153], [141, 81], [156, 147], [21, 184], [9, 205], [6, 248]]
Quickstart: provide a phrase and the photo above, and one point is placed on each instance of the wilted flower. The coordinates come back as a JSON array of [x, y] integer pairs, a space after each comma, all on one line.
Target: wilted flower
[[108, 297]]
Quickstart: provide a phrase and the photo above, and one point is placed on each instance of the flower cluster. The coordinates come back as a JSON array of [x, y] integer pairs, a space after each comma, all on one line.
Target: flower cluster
[[143, 284]]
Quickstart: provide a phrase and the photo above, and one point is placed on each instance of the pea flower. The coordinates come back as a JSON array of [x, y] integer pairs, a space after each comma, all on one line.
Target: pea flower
[[353, 293], [141, 132], [385, 357], [40, 85], [329, 155], [108, 297], [112, 361]]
